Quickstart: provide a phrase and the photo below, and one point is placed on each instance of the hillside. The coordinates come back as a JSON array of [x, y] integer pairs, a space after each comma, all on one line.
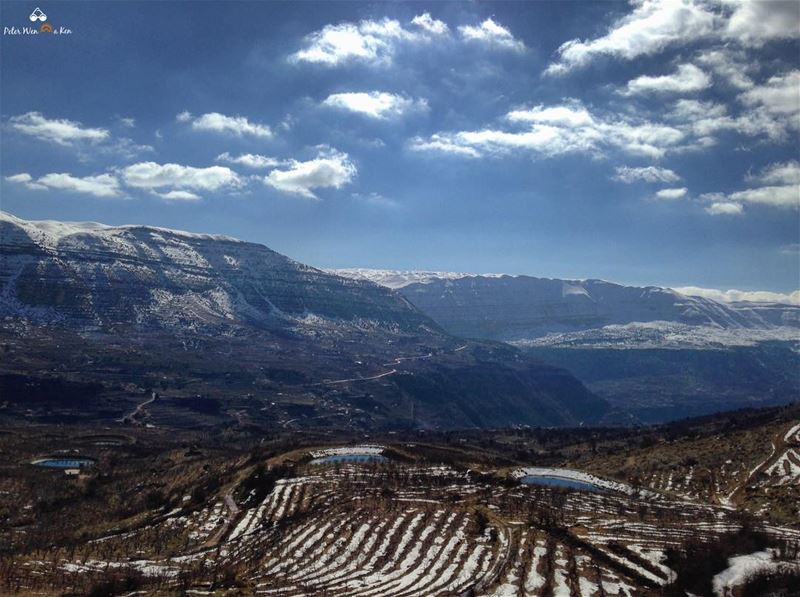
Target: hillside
[[96, 318]]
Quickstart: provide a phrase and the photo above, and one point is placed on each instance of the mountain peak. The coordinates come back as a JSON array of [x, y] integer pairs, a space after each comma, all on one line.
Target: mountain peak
[[53, 231]]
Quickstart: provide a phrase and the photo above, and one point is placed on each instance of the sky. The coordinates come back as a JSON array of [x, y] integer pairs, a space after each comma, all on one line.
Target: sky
[[641, 142]]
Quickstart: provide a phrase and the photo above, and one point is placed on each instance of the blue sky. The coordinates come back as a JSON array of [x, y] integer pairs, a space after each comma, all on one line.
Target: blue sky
[[643, 142]]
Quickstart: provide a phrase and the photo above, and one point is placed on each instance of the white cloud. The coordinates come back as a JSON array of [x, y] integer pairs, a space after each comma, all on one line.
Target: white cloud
[[780, 188], [755, 22], [376, 42], [368, 41], [492, 34], [178, 196], [331, 168], [705, 118], [557, 130], [779, 97], [375, 104], [88, 143], [26, 180], [672, 194], [782, 173], [686, 79], [443, 144], [21, 178], [732, 296], [725, 208], [629, 175], [571, 115], [56, 130], [250, 160], [785, 196], [102, 185], [652, 26], [150, 175], [220, 123], [730, 65], [429, 24]]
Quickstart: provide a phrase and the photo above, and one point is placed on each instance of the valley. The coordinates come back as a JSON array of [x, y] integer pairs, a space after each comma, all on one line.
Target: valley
[[398, 514], [400, 299], [189, 414]]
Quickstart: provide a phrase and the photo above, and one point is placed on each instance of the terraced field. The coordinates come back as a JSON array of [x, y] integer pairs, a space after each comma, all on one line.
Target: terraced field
[[391, 529], [756, 468]]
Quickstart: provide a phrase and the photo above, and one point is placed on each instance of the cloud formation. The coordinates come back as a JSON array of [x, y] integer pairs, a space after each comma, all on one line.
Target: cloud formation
[[330, 169], [429, 24], [778, 97], [491, 34], [755, 22], [654, 25], [178, 196], [250, 160], [686, 79], [102, 185], [724, 208], [175, 177], [375, 104], [781, 173], [778, 185], [56, 130], [376, 42], [728, 64], [369, 41], [630, 175], [215, 122], [672, 194], [555, 130]]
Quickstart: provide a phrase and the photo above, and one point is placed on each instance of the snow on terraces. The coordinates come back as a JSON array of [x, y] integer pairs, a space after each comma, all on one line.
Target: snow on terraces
[[785, 470], [741, 567], [360, 450], [309, 536], [793, 435]]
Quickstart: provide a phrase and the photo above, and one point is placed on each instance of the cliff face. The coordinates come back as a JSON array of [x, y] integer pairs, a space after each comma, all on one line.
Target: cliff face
[[103, 276]]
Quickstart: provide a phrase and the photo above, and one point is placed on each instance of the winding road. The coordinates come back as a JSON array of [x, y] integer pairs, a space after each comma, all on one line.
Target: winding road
[[396, 361], [134, 414]]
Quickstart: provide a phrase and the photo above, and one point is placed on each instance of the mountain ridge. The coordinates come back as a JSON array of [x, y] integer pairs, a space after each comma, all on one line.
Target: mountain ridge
[[55, 270], [238, 330], [525, 308]]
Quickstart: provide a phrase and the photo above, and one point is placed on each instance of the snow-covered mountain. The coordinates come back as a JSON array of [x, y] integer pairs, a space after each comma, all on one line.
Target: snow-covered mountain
[[101, 276], [123, 306], [524, 308]]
